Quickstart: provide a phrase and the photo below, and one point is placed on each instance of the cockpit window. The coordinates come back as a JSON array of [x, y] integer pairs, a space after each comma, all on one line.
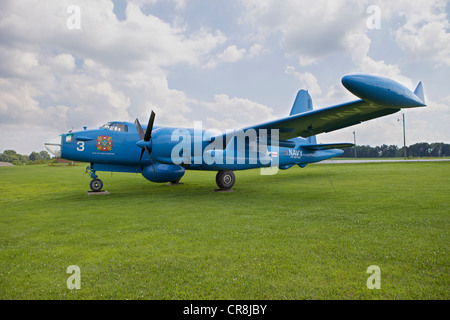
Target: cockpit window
[[108, 126], [115, 127]]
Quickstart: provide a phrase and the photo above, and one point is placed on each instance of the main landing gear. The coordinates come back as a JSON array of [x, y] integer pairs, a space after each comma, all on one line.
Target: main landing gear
[[225, 179], [96, 184]]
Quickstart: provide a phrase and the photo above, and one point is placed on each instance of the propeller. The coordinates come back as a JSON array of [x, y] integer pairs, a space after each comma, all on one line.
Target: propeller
[[145, 139]]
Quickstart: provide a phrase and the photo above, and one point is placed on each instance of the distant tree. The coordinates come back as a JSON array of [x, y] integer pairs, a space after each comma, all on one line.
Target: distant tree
[[34, 156], [439, 149], [13, 157], [445, 151], [44, 155], [9, 156], [419, 149]]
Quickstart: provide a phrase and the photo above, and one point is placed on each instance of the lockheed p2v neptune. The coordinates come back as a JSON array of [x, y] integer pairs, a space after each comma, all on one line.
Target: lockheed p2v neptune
[[162, 154]]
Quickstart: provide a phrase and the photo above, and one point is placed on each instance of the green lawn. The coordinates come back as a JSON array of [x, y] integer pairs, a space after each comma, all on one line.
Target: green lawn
[[301, 234]]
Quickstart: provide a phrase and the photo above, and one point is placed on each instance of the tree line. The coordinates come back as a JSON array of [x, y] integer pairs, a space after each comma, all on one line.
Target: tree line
[[15, 158], [418, 150]]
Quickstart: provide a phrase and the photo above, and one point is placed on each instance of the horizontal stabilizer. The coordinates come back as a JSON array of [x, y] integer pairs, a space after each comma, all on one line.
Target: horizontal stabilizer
[[326, 146]]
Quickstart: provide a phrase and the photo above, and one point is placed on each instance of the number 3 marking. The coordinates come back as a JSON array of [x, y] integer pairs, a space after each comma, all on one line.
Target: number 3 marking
[[80, 146]]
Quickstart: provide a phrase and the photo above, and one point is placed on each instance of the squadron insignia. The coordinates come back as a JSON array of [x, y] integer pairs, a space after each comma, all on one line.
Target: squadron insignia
[[104, 143]]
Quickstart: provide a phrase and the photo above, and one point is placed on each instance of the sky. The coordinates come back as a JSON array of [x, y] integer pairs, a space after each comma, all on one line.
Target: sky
[[66, 64]]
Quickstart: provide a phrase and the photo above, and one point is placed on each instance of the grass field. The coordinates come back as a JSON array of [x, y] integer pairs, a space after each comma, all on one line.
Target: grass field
[[301, 234]]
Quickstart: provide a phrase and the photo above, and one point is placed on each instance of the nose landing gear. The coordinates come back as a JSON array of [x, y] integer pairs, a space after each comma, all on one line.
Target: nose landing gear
[[96, 184]]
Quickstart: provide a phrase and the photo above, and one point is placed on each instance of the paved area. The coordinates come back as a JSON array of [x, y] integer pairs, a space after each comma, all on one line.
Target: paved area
[[387, 160], [5, 164]]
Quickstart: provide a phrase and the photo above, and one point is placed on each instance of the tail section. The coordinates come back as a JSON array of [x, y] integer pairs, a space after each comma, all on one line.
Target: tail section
[[303, 103]]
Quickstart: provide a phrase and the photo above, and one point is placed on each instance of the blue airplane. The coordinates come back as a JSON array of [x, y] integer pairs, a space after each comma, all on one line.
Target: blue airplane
[[162, 154]]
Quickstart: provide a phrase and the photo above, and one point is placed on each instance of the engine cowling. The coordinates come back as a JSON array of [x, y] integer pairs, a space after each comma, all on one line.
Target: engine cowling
[[163, 172]]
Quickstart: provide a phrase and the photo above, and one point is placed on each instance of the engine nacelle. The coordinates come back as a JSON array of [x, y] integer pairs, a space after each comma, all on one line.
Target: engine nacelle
[[163, 172]]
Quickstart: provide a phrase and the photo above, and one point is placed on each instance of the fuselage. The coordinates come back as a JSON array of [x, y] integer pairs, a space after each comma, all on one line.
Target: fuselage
[[115, 144]]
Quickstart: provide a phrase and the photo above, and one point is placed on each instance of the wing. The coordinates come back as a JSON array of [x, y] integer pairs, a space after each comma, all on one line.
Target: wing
[[325, 120], [379, 97]]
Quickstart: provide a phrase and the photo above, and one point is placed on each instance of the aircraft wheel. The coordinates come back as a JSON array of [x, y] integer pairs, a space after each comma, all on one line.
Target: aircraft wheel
[[96, 185], [225, 179]]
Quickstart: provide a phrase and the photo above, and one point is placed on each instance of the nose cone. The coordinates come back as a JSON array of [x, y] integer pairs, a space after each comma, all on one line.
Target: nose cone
[[365, 85], [54, 146], [352, 82]]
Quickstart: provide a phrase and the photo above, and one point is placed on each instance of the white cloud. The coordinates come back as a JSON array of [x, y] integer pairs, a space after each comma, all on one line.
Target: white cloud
[[424, 35], [234, 113], [255, 50], [62, 63], [231, 54], [310, 29], [307, 81], [119, 73], [315, 29]]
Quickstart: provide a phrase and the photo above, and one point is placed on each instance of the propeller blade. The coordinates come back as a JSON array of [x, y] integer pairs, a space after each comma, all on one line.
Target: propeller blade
[[146, 137], [150, 157], [139, 129], [148, 132], [151, 161]]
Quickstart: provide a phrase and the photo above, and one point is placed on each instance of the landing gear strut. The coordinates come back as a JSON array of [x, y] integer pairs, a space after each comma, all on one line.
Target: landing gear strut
[[96, 184], [225, 179]]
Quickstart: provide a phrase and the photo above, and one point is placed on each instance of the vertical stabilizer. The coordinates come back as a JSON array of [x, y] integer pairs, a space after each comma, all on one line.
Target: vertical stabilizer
[[303, 103]]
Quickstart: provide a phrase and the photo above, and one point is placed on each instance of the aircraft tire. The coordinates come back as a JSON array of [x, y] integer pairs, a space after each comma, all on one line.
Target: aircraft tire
[[225, 179], [96, 185]]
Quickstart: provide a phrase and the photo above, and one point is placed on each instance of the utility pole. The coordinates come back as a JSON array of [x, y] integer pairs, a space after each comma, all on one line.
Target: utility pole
[[354, 141], [404, 136]]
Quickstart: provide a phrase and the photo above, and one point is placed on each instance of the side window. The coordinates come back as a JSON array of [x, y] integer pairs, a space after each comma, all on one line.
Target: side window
[[69, 138], [121, 127]]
